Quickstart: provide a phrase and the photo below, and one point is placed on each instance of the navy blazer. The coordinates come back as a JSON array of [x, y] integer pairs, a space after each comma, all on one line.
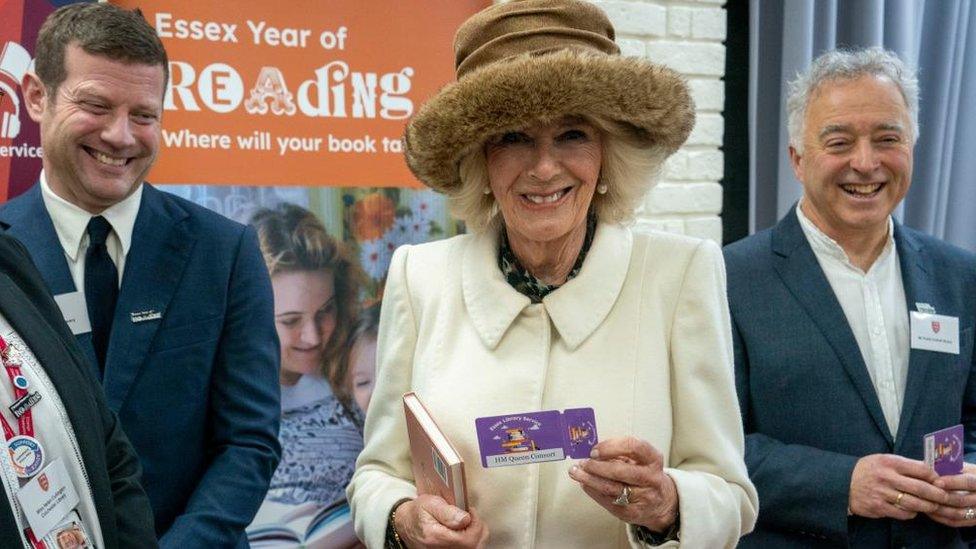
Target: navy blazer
[[110, 463], [808, 405], [196, 388]]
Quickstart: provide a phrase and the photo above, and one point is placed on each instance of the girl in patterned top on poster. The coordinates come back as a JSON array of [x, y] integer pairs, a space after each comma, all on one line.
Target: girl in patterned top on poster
[[316, 287]]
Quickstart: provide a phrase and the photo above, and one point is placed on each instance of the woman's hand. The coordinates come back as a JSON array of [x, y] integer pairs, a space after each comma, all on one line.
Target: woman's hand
[[429, 521], [633, 463]]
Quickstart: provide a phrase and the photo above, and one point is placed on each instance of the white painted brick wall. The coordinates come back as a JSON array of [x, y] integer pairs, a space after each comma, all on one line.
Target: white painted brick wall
[[632, 47], [708, 23], [708, 129], [686, 35], [692, 58], [644, 19], [708, 93]]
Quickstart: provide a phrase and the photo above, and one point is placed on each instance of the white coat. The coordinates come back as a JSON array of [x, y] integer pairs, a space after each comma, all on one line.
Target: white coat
[[641, 335]]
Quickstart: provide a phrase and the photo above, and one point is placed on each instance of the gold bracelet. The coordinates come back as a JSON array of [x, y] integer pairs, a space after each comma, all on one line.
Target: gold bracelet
[[396, 535]]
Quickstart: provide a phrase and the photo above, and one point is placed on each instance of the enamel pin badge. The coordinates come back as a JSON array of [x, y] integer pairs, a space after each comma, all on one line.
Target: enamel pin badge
[[143, 316]]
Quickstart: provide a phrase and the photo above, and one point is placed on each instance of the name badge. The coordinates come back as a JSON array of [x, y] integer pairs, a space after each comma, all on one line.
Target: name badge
[[931, 332], [48, 498], [535, 437], [75, 311]]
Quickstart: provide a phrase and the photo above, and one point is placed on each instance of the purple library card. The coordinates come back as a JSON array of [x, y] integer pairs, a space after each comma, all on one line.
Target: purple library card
[[943, 450], [535, 437], [579, 426]]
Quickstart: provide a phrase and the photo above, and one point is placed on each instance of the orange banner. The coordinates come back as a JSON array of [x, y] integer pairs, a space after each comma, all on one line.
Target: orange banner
[[303, 92]]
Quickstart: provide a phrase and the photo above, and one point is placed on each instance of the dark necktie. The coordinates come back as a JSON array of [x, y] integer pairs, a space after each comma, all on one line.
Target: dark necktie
[[101, 287]]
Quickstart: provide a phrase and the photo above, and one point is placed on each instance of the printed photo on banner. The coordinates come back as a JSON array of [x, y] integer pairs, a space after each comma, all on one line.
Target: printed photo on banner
[[327, 251]]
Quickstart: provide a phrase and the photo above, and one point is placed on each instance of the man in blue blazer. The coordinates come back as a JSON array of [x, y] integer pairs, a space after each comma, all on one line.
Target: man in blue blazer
[[835, 311], [187, 351]]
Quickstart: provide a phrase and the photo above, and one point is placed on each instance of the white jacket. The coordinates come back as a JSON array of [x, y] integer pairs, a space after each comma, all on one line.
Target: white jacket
[[641, 335]]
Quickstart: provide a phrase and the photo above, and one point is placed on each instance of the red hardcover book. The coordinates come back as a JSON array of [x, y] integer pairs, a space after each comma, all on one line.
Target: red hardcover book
[[438, 468]]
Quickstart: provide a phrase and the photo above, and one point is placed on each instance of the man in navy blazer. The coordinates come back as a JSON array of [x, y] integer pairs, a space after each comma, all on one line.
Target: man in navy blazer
[[189, 360], [833, 311]]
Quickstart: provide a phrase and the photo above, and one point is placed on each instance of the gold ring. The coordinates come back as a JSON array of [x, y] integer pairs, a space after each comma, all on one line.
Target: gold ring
[[624, 498], [898, 499]]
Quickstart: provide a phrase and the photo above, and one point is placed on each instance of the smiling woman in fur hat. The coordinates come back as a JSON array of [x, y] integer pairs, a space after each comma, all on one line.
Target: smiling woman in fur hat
[[544, 146]]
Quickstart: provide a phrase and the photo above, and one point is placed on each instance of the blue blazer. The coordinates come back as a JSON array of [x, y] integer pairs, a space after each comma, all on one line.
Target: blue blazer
[[197, 388], [808, 405], [110, 463]]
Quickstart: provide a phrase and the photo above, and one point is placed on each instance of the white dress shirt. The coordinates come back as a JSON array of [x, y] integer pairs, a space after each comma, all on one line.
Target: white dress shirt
[[53, 431], [71, 224], [876, 310]]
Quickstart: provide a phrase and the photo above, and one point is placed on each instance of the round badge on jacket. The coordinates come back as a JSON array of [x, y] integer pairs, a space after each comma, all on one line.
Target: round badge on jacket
[[26, 455], [21, 382]]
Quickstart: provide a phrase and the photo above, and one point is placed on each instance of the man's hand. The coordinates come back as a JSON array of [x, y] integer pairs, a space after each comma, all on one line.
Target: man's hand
[[886, 485], [962, 499]]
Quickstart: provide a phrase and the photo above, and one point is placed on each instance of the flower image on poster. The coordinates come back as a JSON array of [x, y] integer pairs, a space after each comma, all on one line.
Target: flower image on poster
[[372, 215], [378, 221]]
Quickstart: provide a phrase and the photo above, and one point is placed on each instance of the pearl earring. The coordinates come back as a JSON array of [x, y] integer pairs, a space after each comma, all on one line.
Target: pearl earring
[[601, 188], [487, 190]]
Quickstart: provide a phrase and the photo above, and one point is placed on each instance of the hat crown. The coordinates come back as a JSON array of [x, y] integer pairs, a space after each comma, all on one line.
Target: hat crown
[[531, 27]]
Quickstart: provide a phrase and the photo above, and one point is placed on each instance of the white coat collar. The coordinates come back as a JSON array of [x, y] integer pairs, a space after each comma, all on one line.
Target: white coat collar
[[576, 309]]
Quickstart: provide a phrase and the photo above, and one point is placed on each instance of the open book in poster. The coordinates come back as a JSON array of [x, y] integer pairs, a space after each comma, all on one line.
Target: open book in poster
[[309, 525], [438, 468]]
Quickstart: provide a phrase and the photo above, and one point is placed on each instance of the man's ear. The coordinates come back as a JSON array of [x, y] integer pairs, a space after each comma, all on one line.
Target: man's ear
[[795, 159], [35, 96]]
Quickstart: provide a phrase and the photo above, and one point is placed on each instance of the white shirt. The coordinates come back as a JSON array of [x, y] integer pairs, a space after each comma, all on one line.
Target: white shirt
[[71, 224], [876, 310], [53, 431]]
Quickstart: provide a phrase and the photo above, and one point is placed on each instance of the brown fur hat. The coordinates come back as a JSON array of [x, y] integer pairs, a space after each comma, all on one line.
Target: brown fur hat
[[538, 60]]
